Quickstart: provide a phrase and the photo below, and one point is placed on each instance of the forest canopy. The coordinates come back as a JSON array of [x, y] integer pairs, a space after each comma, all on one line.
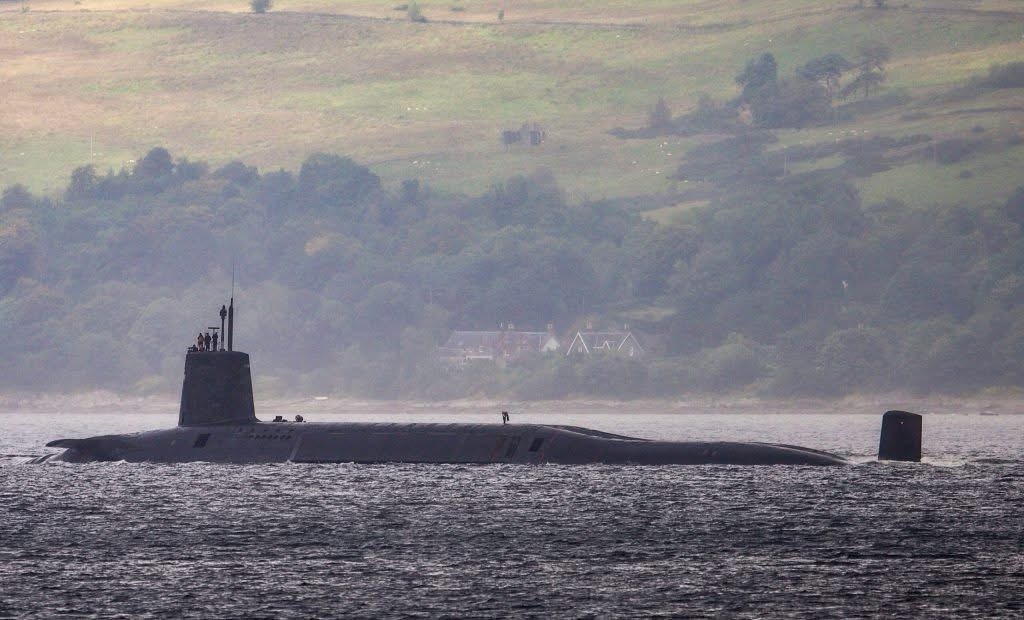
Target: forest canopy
[[787, 285]]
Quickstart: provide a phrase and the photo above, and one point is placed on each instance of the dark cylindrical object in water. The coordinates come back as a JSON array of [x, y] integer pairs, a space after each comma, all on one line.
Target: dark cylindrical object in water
[[901, 437]]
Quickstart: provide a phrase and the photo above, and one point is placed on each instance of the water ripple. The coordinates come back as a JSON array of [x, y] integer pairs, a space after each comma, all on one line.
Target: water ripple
[[944, 538], [296, 541]]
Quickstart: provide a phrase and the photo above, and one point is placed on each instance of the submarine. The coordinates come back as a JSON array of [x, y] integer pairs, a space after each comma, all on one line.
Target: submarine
[[217, 423]]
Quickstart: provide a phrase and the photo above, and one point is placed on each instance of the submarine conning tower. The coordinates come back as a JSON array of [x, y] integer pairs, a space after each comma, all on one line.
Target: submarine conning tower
[[218, 386]]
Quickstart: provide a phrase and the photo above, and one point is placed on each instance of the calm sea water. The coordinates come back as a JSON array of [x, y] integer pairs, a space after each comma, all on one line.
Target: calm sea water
[[944, 538]]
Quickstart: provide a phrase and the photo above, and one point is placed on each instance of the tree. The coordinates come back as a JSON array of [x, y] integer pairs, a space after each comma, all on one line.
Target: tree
[[853, 359], [410, 191], [758, 74], [238, 173], [83, 183], [153, 174], [654, 252], [1009, 75], [871, 65], [185, 170], [791, 103], [384, 310], [924, 289], [260, 6], [826, 70], [660, 116], [865, 80], [19, 248], [415, 14], [1014, 207], [275, 191], [156, 164], [738, 362], [16, 197], [329, 181], [534, 200]]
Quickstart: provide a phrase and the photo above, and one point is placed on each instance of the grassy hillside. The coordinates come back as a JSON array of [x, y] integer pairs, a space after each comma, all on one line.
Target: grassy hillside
[[804, 264], [103, 80]]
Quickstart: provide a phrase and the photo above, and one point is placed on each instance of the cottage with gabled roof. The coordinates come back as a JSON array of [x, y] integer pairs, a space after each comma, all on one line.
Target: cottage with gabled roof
[[587, 343]]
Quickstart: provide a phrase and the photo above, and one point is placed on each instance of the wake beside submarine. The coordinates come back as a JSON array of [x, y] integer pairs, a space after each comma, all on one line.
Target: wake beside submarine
[[217, 423]]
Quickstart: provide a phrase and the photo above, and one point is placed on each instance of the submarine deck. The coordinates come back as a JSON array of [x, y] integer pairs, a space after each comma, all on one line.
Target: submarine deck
[[383, 442]]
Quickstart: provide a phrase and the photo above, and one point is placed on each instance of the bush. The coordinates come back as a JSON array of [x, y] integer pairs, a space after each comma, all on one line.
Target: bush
[[16, 197], [791, 103], [260, 6], [415, 14], [1010, 75], [953, 150]]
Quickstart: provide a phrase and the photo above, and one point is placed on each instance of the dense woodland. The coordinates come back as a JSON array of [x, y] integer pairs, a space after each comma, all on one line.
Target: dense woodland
[[788, 284]]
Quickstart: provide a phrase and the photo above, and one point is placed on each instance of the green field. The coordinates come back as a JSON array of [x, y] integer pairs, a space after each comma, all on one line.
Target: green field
[[103, 81]]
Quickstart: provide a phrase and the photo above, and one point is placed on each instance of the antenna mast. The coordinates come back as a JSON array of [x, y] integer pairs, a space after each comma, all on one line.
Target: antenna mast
[[231, 311]]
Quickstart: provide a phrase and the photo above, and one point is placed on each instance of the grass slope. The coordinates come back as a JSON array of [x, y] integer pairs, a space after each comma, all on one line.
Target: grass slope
[[105, 80]]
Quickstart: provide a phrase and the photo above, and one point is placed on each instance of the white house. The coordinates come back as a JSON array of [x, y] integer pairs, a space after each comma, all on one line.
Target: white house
[[592, 342]]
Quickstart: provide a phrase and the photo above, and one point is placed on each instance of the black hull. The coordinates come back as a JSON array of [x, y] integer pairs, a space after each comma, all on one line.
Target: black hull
[[421, 443]]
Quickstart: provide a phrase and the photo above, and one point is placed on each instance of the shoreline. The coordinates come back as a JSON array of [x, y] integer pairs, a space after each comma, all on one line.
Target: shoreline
[[875, 404]]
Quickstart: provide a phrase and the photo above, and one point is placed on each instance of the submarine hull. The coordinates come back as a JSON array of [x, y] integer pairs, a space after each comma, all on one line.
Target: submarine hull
[[278, 442], [217, 423]]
